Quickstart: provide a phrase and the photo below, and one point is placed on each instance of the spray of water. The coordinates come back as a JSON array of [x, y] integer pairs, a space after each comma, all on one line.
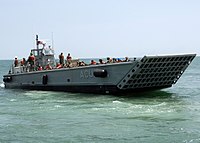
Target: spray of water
[[2, 85]]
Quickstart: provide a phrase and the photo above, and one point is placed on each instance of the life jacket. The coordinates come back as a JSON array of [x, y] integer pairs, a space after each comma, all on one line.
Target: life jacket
[[22, 62], [69, 58], [40, 68], [93, 63], [48, 67], [59, 66], [31, 58]]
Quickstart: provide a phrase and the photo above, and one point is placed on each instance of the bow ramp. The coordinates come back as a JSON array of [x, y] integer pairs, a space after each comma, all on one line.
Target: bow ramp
[[156, 72]]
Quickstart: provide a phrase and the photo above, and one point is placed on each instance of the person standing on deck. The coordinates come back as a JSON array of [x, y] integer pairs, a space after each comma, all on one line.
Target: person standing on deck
[[31, 60], [16, 62], [69, 59], [61, 59], [23, 62]]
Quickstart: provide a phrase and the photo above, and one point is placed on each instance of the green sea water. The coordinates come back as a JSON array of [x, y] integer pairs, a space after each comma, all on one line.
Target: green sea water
[[166, 116]]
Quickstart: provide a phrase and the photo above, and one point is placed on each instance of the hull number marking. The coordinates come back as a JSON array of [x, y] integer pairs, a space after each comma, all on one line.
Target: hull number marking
[[86, 74]]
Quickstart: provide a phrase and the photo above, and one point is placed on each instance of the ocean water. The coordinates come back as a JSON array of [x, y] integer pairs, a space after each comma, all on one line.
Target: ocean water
[[166, 116]]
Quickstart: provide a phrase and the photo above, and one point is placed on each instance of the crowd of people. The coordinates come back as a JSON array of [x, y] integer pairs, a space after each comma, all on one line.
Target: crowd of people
[[109, 60], [68, 62], [62, 62], [30, 61]]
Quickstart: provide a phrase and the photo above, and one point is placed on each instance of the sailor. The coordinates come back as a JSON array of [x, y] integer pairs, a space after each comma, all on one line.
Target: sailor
[[61, 59], [109, 60], [101, 61], [31, 60], [48, 67], [40, 68], [69, 59], [69, 56], [114, 60], [23, 62], [82, 63], [126, 59], [58, 66], [16, 62], [93, 62], [119, 60]]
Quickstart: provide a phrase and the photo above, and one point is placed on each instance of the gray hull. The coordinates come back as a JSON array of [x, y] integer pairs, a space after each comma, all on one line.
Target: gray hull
[[147, 73]]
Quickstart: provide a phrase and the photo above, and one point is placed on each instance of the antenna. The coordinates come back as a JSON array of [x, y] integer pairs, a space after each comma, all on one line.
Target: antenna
[[52, 43], [52, 40]]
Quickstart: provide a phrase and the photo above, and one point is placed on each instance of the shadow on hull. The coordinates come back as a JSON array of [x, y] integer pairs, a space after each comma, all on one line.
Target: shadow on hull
[[111, 90]]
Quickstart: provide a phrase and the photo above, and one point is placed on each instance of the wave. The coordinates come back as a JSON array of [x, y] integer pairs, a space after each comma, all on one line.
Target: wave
[[2, 85]]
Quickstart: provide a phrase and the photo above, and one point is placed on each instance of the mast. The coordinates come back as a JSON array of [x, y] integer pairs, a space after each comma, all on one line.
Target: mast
[[37, 44]]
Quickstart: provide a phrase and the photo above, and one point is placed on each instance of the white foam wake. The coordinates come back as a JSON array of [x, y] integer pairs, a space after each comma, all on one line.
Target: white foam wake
[[2, 85]]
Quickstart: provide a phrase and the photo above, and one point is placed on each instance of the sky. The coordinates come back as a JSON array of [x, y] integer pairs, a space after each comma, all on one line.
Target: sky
[[100, 28]]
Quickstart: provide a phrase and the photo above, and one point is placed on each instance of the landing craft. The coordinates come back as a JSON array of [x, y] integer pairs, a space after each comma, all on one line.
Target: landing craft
[[130, 76]]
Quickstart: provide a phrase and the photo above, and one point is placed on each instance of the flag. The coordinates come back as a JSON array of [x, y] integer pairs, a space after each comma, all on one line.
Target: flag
[[41, 42]]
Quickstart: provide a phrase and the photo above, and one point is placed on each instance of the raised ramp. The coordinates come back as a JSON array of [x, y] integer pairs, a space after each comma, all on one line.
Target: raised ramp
[[156, 71]]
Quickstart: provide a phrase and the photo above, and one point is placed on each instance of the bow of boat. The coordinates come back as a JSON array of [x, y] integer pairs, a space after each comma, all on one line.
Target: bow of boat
[[155, 72]]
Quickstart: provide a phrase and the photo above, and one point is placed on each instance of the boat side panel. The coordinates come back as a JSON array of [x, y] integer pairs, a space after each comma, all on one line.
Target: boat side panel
[[73, 77]]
